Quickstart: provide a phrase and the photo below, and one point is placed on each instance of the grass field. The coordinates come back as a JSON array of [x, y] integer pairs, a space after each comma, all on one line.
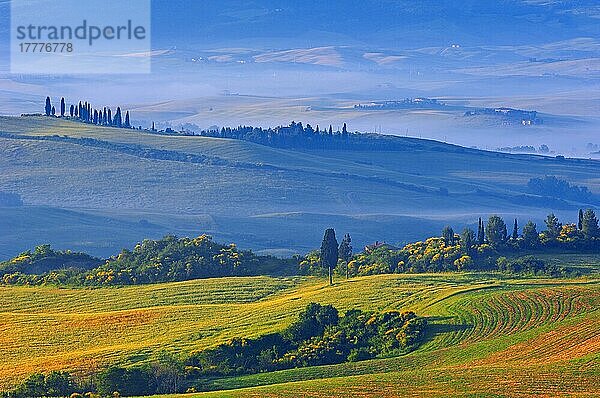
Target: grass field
[[489, 336]]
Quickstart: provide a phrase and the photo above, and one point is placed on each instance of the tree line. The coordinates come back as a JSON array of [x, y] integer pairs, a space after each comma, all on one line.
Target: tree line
[[151, 261], [176, 259], [299, 136], [485, 250], [84, 112]]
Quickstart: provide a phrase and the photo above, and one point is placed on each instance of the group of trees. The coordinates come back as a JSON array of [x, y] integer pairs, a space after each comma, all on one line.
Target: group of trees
[[46, 265], [84, 112], [559, 188], [53, 384], [318, 336], [298, 136], [483, 250], [585, 234], [330, 257], [151, 261]]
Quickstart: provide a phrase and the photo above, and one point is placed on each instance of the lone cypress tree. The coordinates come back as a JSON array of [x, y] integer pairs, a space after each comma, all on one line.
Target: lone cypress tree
[[48, 109], [329, 252], [515, 234], [480, 233], [580, 223], [62, 107]]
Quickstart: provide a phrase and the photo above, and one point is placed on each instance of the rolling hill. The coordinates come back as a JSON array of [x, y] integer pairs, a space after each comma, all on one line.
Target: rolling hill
[[488, 336], [134, 184]]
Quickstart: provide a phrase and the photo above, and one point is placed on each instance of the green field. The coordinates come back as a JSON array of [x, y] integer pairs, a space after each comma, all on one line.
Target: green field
[[489, 335]]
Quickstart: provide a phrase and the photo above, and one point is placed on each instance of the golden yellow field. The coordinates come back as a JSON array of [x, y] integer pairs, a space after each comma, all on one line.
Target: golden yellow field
[[488, 336]]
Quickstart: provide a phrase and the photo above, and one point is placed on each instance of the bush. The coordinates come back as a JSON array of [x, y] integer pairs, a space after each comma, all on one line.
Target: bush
[[528, 265]]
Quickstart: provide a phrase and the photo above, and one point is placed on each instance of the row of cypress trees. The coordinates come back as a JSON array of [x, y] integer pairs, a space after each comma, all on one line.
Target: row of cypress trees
[[84, 112], [495, 232]]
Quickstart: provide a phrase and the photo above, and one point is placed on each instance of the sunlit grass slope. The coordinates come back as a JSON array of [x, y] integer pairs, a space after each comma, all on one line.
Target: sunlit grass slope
[[485, 331]]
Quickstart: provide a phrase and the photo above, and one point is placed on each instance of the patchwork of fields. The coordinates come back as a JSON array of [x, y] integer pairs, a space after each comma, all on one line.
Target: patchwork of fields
[[488, 337]]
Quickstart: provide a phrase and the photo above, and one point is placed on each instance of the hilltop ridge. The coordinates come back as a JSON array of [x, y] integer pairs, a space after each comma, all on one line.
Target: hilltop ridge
[[237, 190]]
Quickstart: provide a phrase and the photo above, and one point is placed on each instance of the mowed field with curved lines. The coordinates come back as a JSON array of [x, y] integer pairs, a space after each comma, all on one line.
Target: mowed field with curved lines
[[489, 336]]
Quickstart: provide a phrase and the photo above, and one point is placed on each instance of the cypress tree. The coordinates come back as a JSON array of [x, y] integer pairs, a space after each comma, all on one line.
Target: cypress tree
[[531, 238], [589, 225], [62, 107], [53, 111], [480, 233], [109, 120], [95, 116], [118, 121], [71, 110], [48, 108], [515, 234], [127, 124], [467, 239], [329, 252], [580, 223], [345, 251]]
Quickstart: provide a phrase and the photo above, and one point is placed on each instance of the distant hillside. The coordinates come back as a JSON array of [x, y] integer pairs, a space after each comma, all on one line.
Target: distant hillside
[[120, 186]]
